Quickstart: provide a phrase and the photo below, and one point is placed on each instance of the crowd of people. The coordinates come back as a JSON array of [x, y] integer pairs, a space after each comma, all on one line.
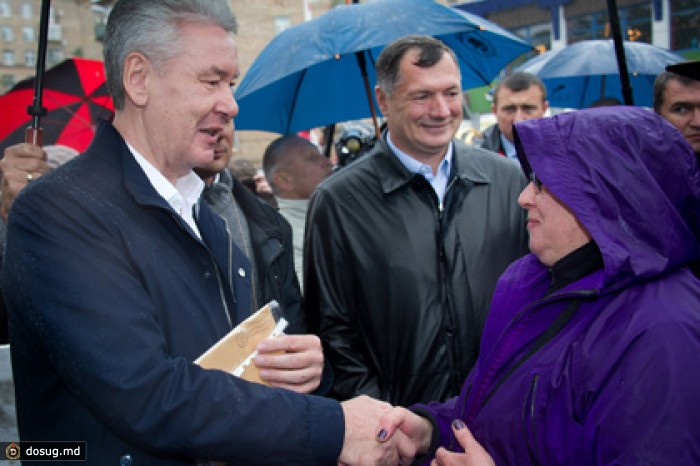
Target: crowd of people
[[532, 298]]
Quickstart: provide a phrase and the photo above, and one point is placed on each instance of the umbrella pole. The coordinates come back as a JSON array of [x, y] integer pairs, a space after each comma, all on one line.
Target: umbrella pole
[[620, 52], [328, 133], [34, 133], [363, 68]]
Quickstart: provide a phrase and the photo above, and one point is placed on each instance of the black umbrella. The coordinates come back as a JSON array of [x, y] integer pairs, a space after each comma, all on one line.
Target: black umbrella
[[620, 52], [37, 110]]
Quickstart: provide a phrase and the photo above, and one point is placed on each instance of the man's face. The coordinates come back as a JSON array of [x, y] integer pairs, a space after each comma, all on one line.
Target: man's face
[[681, 107], [305, 168], [424, 110], [512, 107], [554, 230], [190, 101]]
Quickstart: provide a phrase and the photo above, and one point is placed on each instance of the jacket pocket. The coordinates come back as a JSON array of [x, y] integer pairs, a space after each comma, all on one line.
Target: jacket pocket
[[529, 423]]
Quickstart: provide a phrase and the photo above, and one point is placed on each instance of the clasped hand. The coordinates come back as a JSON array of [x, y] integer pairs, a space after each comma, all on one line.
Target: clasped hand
[[400, 435]]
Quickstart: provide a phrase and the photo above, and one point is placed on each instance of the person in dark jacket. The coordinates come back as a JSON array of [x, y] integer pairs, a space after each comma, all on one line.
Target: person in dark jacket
[[518, 97], [117, 278], [290, 361], [591, 350], [404, 246]]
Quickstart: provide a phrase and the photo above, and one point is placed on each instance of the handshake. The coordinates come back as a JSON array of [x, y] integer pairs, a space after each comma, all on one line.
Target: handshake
[[378, 434]]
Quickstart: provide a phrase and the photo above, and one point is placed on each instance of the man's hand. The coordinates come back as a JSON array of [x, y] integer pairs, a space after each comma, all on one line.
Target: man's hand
[[21, 164], [294, 362], [362, 446], [474, 454]]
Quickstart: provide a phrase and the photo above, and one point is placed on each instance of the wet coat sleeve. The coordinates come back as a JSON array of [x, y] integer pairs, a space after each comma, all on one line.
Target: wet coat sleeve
[[328, 299]]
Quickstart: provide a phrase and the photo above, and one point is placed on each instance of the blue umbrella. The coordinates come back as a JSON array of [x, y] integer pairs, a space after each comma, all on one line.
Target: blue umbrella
[[579, 74], [310, 75]]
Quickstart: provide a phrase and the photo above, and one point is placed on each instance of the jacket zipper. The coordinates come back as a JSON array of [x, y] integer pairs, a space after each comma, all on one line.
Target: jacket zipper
[[529, 425], [451, 327], [230, 274]]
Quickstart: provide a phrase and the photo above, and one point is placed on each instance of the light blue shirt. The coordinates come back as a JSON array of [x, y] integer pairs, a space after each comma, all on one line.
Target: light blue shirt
[[509, 148], [437, 180]]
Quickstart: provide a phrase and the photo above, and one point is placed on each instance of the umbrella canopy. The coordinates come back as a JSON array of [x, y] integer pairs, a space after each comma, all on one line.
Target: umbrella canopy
[[579, 74], [75, 96], [310, 76]]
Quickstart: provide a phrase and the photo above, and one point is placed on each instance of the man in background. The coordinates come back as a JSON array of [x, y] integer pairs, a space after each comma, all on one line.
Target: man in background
[[677, 99], [518, 97], [293, 167]]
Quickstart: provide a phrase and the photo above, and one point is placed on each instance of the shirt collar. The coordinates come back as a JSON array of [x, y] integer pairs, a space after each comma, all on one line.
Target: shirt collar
[[182, 196], [415, 166], [508, 147]]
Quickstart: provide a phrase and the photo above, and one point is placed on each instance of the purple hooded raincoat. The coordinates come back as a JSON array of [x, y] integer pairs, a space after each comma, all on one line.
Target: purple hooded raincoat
[[619, 383]]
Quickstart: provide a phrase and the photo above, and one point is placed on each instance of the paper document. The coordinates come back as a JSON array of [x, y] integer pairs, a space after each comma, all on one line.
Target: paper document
[[235, 352]]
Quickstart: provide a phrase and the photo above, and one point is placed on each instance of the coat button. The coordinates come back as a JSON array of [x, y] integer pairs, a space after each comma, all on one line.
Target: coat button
[[125, 460], [241, 272], [207, 275]]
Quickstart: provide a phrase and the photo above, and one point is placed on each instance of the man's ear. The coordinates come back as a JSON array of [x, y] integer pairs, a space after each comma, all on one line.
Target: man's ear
[[136, 74], [282, 180], [381, 99]]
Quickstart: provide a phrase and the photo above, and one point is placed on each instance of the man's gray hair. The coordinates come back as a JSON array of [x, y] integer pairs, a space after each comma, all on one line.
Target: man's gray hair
[[151, 27], [660, 84], [430, 51]]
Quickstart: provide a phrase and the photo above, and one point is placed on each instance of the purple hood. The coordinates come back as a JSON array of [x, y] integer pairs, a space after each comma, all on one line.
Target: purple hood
[[640, 232]]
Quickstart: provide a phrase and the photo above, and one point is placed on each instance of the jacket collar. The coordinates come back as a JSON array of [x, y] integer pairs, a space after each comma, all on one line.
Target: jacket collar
[[135, 180], [395, 175]]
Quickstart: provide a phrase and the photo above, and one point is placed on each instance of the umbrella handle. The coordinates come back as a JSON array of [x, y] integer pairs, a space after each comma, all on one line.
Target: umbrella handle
[[34, 136]]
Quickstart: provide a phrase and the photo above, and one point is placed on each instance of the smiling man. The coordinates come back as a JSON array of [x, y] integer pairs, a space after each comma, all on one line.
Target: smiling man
[[403, 246]]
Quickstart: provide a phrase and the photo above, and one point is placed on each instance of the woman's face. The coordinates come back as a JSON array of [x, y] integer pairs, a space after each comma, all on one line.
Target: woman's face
[[554, 230]]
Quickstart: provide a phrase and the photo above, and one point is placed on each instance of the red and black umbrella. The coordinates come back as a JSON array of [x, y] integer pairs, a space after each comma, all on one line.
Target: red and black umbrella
[[75, 97]]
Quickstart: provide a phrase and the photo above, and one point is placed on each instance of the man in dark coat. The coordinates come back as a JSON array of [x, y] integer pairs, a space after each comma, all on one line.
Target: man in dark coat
[[404, 246], [117, 278]]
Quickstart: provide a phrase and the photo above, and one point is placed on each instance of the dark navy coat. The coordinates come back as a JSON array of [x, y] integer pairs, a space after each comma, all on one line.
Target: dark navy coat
[[111, 298]]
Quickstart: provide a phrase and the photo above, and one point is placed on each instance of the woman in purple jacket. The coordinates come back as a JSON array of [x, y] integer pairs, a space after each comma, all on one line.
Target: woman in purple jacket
[[591, 351]]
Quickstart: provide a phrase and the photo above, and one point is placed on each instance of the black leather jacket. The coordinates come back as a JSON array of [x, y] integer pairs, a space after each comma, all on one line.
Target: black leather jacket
[[398, 289]]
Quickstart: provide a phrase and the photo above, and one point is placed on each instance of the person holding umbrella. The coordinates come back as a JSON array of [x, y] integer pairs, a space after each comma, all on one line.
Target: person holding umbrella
[[404, 245], [117, 278], [591, 350]]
